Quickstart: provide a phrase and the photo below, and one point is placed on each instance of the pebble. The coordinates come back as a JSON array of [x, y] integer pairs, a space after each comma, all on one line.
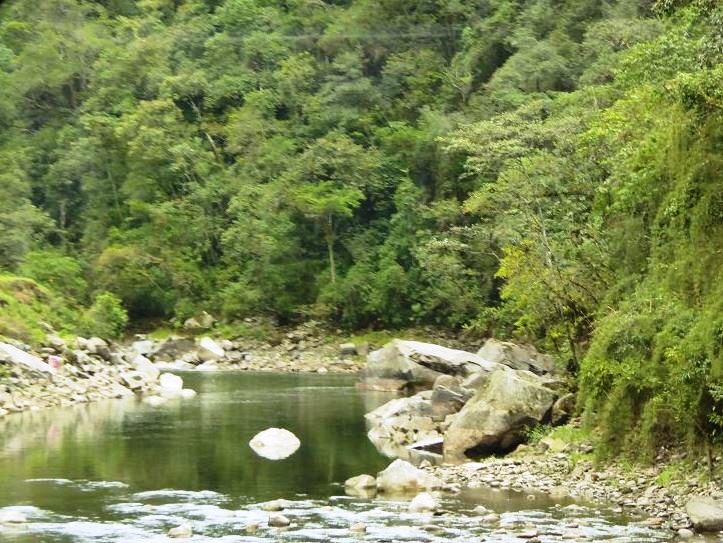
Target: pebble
[[182, 531], [279, 521], [358, 527]]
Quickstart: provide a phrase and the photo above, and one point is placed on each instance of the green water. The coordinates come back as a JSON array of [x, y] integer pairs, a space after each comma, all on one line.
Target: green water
[[122, 471]]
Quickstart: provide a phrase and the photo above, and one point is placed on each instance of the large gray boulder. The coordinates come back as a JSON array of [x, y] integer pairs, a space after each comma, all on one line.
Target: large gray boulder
[[448, 396], [705, 513], [415, 364], [495, 419], [518, 357], [13, 355], [174, 348], [400, 423]]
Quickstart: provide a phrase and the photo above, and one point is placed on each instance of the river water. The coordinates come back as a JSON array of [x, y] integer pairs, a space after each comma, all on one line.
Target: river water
[[122, 471]]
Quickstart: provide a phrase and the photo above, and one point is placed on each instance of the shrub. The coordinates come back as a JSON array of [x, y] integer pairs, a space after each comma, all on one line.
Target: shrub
[[106, 318]]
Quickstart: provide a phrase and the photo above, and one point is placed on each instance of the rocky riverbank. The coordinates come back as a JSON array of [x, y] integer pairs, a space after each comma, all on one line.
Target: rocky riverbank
[[652, 493], [488, 404], [65, 372]]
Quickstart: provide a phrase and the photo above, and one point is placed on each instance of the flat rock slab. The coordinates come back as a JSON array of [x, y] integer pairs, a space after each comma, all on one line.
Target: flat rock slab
[[705, 513]]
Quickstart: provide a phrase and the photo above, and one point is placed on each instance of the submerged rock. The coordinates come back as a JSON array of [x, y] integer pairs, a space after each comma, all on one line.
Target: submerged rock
[[361, 486], [275, 443], [279, 521], [182, 531], [155, 401]]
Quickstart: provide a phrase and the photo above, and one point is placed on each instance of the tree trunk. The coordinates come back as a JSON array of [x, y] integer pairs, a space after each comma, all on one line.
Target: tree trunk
[[330, 248]]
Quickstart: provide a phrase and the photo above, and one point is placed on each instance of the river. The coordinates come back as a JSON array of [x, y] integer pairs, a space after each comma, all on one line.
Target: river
[[122, 471]]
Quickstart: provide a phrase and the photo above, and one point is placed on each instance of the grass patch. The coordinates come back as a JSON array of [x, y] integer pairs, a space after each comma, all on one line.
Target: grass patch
[[24, 304]]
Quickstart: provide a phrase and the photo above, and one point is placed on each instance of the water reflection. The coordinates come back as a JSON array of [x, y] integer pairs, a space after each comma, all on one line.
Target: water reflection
[[122, 471]]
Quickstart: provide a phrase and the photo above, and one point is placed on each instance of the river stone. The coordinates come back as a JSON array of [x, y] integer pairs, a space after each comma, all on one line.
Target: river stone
[[132, 379], [145, 367], [188, 393], [705, 513], [174, 348], [209, 350], [99, 347], [278, 521], [182, 531], [202, 321], [361, 485], [518, 357], [273, 506], [171, 385], [562, 409], [20, 358], [495, 419], [144, 347], [419, 364], [423, 503], [275, 443], [402, 477], [11, 516], [359, 528], [347, 349], [401, 422]]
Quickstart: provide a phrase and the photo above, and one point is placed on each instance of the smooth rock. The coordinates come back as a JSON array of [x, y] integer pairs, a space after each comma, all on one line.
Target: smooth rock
[[182, 531], [402, 477], [278, 521], [359, 528], [144, 347], [147, 368], [188, 394], [275, 443], [209, 350], [171, 385], [423, 503], [361, 486], [21, 358], [705, 513]]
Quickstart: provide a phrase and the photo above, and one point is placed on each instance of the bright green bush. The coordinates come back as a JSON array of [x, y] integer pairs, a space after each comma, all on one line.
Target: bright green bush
[[106, 318]]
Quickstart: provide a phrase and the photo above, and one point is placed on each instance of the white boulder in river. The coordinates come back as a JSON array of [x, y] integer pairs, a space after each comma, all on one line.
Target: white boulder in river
[[171, 385], [275, 443], [401, 477], [209, 350], [423, 503]]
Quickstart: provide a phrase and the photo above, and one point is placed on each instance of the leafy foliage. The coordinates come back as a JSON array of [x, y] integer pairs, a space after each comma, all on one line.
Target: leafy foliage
[[543, 170]]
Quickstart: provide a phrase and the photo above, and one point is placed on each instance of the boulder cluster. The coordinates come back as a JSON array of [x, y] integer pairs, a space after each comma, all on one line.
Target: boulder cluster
[[470, 404]]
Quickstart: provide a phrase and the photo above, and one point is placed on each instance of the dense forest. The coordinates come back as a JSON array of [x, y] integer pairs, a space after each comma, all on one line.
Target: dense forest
[[547, 170]]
